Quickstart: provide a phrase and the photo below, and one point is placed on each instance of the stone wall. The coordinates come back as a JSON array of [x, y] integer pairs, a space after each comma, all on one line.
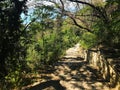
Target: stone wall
[[109, 68]]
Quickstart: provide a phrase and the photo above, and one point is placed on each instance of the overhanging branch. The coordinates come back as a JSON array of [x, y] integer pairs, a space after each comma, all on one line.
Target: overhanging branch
[[70, 15], [75, 21], [101, 11]]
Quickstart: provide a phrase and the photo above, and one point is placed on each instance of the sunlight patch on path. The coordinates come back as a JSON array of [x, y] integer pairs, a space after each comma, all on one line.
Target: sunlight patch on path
[[72, 74], [73, 52]]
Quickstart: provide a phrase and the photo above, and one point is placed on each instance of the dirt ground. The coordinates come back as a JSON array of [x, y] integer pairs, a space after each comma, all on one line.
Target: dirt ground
[[71, 73]]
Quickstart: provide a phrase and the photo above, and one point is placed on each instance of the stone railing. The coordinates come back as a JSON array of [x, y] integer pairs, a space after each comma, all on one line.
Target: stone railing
[[109, 68]]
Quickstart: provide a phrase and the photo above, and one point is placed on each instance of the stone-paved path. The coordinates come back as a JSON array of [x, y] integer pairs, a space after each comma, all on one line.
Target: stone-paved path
[[72, 73]]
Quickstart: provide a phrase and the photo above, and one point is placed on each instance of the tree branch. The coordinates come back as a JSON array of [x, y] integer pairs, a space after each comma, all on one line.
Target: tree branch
[[82, 2], [75, 22], [70, 15], [98, 9], [28, 24], [62, 5], [23, 31]]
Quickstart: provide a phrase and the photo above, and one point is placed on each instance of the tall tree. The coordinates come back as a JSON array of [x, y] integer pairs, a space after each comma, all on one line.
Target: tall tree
[[10, 33]]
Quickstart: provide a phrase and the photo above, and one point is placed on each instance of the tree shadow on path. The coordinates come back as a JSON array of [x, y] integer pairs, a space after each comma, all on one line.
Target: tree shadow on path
[[71, 74], [52, 83]]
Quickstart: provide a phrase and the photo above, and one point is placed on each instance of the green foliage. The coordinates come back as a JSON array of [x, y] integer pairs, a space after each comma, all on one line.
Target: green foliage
[[71, 34], [108, 33], [49, 43], [88, 40], [105, 28], [44, 42], [12, 52], [49, 48]]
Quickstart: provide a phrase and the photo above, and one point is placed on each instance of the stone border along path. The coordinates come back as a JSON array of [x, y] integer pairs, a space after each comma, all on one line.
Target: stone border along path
[[72, 73]]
